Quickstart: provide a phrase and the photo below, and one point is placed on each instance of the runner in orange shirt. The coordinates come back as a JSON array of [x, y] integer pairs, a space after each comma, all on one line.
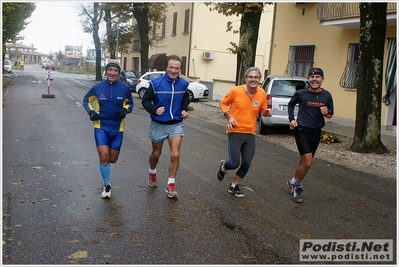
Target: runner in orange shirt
[[241, 105]]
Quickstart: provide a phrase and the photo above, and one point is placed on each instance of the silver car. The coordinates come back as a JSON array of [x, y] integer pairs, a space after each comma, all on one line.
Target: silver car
[[279, 90], [7, 66]]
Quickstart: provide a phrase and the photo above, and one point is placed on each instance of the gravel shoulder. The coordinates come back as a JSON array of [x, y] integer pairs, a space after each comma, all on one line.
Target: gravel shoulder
[[337, 153]]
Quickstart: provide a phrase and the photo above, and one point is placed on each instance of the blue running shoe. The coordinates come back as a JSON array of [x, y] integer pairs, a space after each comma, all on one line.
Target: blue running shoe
[[297, 196], [290, 186]]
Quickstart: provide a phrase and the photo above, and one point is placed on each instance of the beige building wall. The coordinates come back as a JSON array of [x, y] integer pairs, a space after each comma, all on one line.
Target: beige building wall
[[298, 25], [207, 32], [178, 44]]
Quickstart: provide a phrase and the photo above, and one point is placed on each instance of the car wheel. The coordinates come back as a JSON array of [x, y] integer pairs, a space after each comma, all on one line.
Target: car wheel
[[262, 128], [141, 93], [190, 96]]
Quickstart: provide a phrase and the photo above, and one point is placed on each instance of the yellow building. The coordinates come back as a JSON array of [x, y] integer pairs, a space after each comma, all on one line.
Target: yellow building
[[326, 35], [199, 37]]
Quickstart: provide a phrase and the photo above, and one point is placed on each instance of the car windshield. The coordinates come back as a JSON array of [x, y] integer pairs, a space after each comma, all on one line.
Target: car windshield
[[130, 74], [287, 88]]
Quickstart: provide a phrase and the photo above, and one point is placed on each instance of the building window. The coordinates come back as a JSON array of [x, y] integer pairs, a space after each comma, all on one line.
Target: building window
[[174, 24], [135, 63], [348, 78], [186, 21], [301, 60]]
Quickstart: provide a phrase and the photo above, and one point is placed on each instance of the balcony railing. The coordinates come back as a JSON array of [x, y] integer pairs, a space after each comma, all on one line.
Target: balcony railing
[[336, 11]]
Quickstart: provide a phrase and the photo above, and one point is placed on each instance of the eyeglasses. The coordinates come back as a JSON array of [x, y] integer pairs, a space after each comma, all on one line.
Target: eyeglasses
[[253, 77]]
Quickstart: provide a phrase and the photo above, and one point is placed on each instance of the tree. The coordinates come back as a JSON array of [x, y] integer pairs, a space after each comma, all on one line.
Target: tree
[[118, 17], [249, 30], [108, 25], [14, 21], [60, 56], [91, 24], [146, 13], [367, 136], [140, 13], [121, 14]]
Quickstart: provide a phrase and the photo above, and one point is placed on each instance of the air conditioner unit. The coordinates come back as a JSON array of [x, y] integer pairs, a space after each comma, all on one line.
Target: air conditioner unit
[[209, 55]]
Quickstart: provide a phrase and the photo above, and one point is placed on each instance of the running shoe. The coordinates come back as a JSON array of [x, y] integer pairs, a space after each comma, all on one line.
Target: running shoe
[[298, 194], [170, 189], [152, 180], [221, 171], [106, 191], [290, 186], [235, 190]]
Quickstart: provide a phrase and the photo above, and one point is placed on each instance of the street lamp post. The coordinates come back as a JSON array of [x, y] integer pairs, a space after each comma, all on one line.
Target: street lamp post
[[117, 40]]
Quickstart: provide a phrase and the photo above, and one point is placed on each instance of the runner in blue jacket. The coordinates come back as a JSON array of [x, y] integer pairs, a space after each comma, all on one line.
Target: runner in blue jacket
[[113, 100], [167, 100]]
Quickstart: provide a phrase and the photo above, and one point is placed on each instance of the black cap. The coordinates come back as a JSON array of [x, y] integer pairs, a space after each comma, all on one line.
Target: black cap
[[113, 64], [316, 72]]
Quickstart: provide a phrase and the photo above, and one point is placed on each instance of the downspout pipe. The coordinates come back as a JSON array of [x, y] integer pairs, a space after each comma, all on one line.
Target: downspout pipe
[[190, 41], [272, 39]]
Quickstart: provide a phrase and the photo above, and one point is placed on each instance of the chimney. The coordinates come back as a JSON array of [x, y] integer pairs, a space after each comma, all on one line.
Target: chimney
[[32, 45]]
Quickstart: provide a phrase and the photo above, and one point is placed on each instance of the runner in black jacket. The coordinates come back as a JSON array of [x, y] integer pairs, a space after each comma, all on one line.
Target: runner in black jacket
[[315, 104]]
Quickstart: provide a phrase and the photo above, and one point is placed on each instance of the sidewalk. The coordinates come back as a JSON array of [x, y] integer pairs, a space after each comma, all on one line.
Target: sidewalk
[[388, 138]]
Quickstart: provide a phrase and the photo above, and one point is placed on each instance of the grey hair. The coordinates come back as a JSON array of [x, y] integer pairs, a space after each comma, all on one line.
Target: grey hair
[[251, 69]]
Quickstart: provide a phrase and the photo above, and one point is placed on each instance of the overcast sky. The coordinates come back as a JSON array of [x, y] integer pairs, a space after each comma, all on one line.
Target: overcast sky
[[55, 24]]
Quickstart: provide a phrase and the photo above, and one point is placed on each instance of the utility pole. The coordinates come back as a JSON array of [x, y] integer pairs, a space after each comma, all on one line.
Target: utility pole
[[117, 41]]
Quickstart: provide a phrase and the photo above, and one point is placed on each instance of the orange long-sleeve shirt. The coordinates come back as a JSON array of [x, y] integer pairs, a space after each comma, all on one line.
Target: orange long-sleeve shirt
[[243, 108]]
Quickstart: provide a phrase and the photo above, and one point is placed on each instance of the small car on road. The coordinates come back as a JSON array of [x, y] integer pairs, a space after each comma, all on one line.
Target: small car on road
[[45, 61], [50, 66], [7, 66], [279, 90]]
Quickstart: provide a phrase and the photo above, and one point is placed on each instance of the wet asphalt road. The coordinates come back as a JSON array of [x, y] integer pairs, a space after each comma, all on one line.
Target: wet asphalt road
[[53, 213]]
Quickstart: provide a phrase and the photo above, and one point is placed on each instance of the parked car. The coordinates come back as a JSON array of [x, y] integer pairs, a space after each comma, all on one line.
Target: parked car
[[45, 61], [50, 66], [279, 90], [7, 66], [196, 90], [130, 77]]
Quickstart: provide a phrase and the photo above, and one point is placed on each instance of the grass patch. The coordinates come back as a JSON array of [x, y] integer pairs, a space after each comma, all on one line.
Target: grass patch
[[6, 81]]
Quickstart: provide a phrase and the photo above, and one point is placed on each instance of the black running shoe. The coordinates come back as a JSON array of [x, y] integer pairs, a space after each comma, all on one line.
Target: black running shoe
[[221, 171], [236, 191], [106, 191]]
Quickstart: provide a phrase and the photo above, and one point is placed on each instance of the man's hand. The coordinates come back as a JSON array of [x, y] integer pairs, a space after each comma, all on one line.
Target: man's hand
[[94, 116], [184, 114], [293, 124], [160, 110], [121, 114], [231, 123], [267, 112]]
